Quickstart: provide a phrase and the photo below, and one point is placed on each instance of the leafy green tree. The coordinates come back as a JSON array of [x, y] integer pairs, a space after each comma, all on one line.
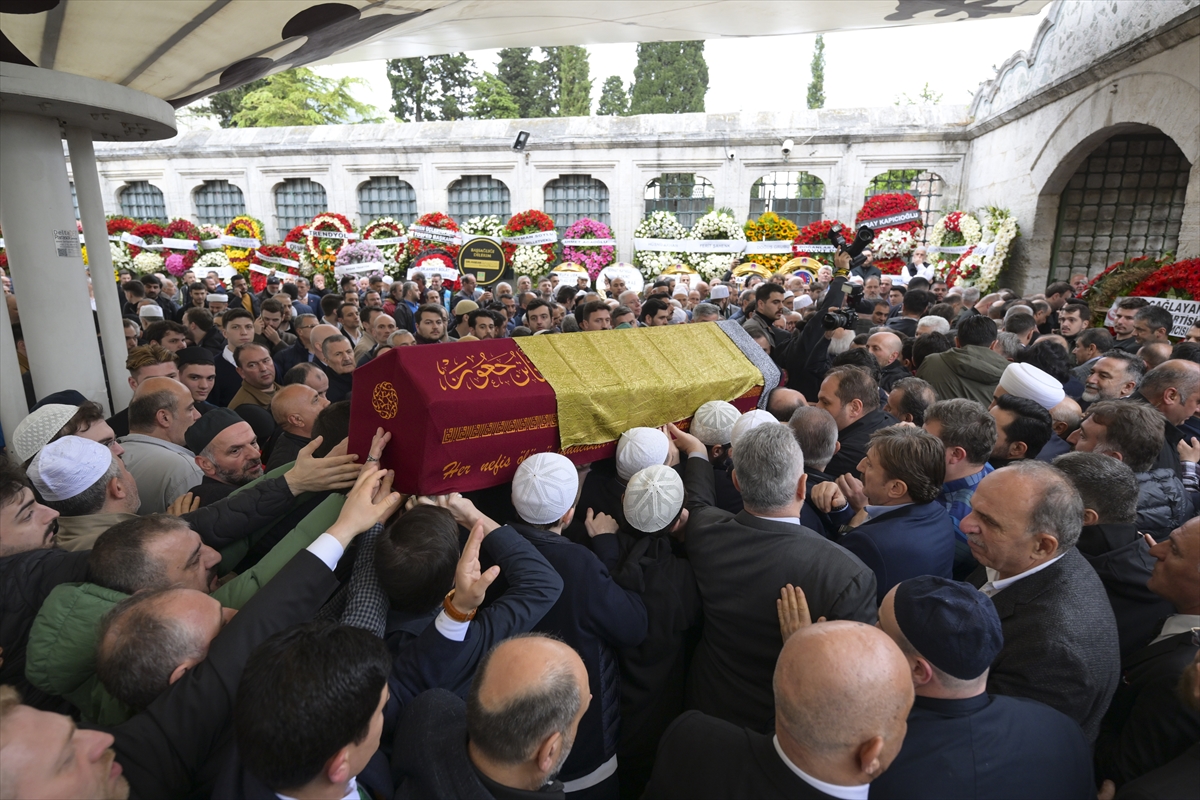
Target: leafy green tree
[[301, 97], [574, 82], [428, 88], [493, 100], [670, 78], [614, 100], [225, 105], [529, 82], [816, 87]]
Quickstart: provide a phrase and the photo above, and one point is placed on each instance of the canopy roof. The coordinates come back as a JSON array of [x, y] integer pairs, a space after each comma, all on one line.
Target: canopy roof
[[182, 50]]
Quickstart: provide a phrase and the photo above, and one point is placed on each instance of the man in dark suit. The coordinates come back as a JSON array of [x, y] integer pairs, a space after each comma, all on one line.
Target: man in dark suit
[[899, 530], [961, 741], [1060, 637], [1147, 725], [835, 728], [817, 435], [851, 396], [912, 308], [742, 560]]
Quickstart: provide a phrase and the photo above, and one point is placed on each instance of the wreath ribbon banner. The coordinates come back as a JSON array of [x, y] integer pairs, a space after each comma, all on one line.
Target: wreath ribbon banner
[[320, 234], [239, 241], [358, 269], [691, 245], [262, 269], [180, 244], [428, 234], [589, 242], [771, 248], [388, 240], [286, 262], [892, 219], [445, 272], [129, 238], [295, 247], [984, 249], [211, 244], [814, 248], [532, 239]]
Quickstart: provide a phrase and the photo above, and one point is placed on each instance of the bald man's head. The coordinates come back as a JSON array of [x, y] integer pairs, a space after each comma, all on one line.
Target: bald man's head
[[318, 335], [524, 708], [885, 346], [295, 408], [842, 697]]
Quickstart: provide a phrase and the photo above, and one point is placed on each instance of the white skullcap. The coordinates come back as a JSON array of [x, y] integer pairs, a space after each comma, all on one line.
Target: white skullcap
[[220, 298], [679, 316], [713, 422], [580, 293], [639, 448], [788, 293], [748, 422], [802, 301], [68, 467], [32, 433], [719, 292], [151, 311], [680, 291], [653, 498], [387, 279], [1026, 380], [544, 488], [857, 280]]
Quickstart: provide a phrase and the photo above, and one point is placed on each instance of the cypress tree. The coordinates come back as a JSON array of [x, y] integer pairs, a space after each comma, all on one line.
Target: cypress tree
[[574, 82], [670, 78], [816, 87], [614, 100]]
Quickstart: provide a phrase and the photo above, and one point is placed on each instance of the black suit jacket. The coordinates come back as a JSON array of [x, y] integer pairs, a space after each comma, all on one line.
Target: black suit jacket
[[340, 385], [741, 562], [1147, 726], [1060, 641], [1122, 559], [855, 439], [907, 542], [227, 384], [701, 756], [988, 746]]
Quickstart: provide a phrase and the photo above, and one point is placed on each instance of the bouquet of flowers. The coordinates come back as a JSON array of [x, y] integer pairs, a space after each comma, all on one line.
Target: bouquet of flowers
[[176, 264], [659, 225], [1001, 230], [956, 229], [116, 226], [181, 229], [416, 246], [243, 227], [1178, 281], [770, 227], [258, 280], [533, 260], [322, 250], [893, 243], [213, 259], [489, 225], [714, 225], [208, 232], [393, 254], [120, 256], [593, 259], [150, 232], [358, 253], [147, 261], [815, 233]]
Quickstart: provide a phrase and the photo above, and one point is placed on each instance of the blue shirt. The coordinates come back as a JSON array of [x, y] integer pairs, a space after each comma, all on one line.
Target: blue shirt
[[956, 496]]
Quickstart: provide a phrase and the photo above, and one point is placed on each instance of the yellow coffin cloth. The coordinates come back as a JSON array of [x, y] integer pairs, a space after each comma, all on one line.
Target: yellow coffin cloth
[[606, 382]]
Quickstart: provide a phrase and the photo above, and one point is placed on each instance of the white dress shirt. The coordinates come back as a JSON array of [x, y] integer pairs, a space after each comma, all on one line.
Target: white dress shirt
[[859, 792], [1176, 624], [995, 583]]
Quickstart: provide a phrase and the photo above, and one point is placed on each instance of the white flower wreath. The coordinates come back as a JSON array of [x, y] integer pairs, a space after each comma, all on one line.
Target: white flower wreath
[[147, 262], [213, 259], [714, 225], [483, 226], [893, 243], [659, 225]]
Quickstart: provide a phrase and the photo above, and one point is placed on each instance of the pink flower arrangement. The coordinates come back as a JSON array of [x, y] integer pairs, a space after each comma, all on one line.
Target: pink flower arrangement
[[176, 264], [593, 259]]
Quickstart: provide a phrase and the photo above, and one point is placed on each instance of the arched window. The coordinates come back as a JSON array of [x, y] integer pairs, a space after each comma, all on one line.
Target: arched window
[[142, 200], [795, 196], [570, 198], [1126, 199], [927, 187], [297, 201], [217, 202], [479, 195], [387, 197], [686, 194]]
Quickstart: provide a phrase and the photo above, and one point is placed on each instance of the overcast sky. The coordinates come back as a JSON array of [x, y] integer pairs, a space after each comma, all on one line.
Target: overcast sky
[[862, 68]]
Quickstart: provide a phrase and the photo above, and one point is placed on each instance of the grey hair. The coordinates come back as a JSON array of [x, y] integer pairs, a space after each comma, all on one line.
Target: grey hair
[[935, 324], [337, 337], [1170, 376], [816, 433], [1009, 344], [91, 499], [302, 317], [1107, 485], [706, 310], [768, 465], [1059, 508], [1018, 309], [971, 295], [394, 334]]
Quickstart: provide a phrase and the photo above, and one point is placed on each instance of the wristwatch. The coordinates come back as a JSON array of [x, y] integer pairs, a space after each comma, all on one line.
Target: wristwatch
[[453, 613]]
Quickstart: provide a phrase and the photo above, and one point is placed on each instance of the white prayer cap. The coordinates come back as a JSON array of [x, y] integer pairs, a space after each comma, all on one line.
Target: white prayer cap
[[857, 279], [713, 422], [580, 293], [639, 448], [387, 280], [32, 433], [1026, 380], [718, 292], [151, 311], [653, 498], [544, 488], [802, 301], [220, 298], [748, 422], [679, 316], [68, 467], [680, 291]]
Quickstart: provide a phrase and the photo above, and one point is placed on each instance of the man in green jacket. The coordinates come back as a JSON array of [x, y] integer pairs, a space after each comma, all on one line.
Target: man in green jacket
[[972, 369]]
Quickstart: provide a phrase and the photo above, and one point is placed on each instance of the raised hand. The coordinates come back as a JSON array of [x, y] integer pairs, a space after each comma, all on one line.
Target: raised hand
[[792, 607], [366, 504], [599, 524], [852, 489], [470, 584], [686, 442], [826, 496], [184, 504]]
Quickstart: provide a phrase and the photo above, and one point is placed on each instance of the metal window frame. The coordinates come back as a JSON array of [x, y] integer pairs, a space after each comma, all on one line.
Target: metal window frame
[[786, 196], [570, 198], [387, 196], [478, 196], [217, 202], [1125, 199], [926, 186], [295, 212], [689, 201], [75, 201], [142, 200]]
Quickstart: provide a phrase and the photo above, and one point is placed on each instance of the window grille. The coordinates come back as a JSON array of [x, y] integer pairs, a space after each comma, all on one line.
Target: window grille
[[927, 187], [570, 198], [795, 196], [1126, 199], [217, 202], [142, 200], [387, 197], [479, 195], [74, 200], [297, 201], [684, 193]]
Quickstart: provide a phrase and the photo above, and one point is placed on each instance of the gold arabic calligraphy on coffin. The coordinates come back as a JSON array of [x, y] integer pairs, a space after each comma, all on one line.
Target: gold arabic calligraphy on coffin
[[487, 372]]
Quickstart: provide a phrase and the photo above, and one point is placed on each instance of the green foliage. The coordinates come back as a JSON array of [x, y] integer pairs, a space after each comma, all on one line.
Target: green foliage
[[894, 180], [530, 83], [301, 97], [677, 184], [614, 100], [927, 97], [816, 87], [493, 100], [670, 78], [225, 105], [431, 88], [574, 82]]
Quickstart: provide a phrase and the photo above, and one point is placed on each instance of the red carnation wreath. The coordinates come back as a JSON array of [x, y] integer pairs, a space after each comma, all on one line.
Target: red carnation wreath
[[532, 221], [150, 232], [815, 233], [416, 246], [884, 205], [183, 229], [119, 225], [1180, 280]]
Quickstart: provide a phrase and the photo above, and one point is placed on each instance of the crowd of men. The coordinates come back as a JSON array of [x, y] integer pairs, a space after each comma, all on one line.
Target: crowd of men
[[954, 553]]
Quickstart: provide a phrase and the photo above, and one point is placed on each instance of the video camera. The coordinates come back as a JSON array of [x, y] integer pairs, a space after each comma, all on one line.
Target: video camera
[[844, 317], [862, 238]]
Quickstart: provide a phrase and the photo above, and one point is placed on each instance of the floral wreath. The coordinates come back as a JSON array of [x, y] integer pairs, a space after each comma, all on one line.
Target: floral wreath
[[147, 261], [212, 260], [181, 229], [714, 225], [443, 258], [892, 247], [659, 225], [884, 205], [815, 233], [770, 227], [593, 259], [243, 227], [981, 271], [956, 229], [394, 255], [1178, 281], [533, 260], [321, 251], [489, 225], [258, 280], [437, 219], [150, 232]]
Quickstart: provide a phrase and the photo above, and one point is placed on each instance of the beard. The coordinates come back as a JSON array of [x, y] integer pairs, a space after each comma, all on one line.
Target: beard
[[251, 471], [1090, 395]]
